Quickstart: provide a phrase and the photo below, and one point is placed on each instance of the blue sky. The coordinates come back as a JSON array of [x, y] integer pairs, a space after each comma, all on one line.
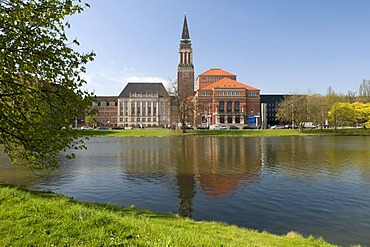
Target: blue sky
[[278, 46]]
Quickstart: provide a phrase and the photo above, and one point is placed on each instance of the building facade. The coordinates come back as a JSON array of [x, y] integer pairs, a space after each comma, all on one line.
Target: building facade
[[106, 107], [220, 99], [144, 105], [270, 103]]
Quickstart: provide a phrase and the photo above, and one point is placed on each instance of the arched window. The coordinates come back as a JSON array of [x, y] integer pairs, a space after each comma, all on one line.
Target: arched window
[[237, 106], [229, 106], [221, 106]]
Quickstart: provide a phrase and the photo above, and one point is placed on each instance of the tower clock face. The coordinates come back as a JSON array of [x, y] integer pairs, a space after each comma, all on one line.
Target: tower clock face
[[186, 74]]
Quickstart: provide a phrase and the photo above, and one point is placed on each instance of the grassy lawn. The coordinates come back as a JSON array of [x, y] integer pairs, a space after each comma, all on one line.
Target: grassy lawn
[[30, 218], [268, 132]]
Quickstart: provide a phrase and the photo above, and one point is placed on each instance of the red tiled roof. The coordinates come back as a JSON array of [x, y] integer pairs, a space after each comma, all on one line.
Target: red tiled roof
[[228, 83], [216, 72]]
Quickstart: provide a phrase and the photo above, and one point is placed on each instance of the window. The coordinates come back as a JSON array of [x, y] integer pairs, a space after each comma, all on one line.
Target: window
[[221, 106], [132, 108], [138, 108], [237, 106], [229, 106], [103, 103], [205, 93], [144, 110]]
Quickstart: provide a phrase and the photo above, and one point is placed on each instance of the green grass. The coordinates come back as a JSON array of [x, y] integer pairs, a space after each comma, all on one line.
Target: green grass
[[30, 218], [268, 132]]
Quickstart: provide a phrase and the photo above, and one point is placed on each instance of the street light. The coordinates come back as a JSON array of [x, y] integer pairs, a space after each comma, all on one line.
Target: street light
[[292, 116]]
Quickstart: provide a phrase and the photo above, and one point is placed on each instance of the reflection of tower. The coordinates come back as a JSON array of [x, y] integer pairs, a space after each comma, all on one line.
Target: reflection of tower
[[185, 68], [185, 178]]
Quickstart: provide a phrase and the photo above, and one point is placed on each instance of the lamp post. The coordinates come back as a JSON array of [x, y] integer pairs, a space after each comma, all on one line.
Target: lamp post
[[292, 116]]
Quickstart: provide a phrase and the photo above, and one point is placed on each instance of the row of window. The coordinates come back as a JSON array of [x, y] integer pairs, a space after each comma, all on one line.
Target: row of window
[[212, 79], [228, 93], [229, 105], [144, 95], [138, 120], [104, 103]]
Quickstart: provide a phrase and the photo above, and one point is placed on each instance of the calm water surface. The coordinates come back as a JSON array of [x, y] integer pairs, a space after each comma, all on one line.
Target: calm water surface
[[317, 186]]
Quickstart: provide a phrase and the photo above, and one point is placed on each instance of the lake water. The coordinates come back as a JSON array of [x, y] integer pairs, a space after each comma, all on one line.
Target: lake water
[[317, 186]]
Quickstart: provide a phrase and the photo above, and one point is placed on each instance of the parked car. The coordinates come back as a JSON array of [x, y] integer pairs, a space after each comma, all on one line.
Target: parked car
[[288, 126], [103, 128], [87, 128], [249, 127], [279, 126], [214, 127], [223, 127], [233, 127], [118, 128], [128, 128]]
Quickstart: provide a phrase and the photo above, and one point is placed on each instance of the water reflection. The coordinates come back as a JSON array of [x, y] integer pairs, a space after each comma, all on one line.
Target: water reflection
[[315, 185], [216, 165]]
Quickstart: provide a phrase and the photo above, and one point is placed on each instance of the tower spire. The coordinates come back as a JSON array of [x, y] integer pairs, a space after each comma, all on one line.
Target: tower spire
[[185, 37]]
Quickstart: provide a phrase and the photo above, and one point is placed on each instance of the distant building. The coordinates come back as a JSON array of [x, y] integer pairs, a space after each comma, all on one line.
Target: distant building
[[107, 110], [271, 102], [144, 105], [220, 99]]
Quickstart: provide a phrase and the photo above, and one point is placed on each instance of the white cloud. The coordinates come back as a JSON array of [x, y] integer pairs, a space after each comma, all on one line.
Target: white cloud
[[108, 82]]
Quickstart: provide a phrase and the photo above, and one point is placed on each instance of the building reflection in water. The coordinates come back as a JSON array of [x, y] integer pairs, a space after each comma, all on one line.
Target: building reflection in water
[[221, 165], [215, 166]]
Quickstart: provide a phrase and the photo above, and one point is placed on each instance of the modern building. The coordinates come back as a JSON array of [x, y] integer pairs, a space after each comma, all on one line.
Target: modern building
[[144, 105], [270, 103], [221, 99]]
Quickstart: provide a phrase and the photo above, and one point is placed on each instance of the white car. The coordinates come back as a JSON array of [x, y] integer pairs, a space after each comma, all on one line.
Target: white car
[[87, 128]]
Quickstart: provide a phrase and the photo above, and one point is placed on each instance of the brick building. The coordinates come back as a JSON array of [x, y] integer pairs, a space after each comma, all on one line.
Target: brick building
[[107, 111], [220, 99]]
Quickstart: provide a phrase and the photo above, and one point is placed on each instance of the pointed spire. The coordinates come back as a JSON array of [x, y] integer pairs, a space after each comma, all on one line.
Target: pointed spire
[[185, 38]]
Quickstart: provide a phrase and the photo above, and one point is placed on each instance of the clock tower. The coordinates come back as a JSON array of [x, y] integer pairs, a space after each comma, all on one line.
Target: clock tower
[[185, 68]]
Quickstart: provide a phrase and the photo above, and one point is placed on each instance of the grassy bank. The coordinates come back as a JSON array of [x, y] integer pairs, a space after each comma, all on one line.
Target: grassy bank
[[29, 218], [269, 132]]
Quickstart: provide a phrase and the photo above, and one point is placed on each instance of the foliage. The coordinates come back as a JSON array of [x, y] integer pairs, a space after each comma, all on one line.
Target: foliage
[[40, 80], [301, 108], [348, 114], [31, 218]]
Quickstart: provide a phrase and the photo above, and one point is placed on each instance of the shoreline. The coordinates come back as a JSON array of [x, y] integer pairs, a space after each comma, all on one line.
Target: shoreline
[[45, 218]]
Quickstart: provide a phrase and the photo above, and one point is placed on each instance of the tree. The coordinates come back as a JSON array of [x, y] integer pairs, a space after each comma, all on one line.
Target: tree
[[182, 105], [342, 113], [40, 88], [364, 91], [301, 108]]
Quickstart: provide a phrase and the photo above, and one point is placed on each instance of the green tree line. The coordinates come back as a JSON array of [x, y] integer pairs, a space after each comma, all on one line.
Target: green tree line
[[331, 109]]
